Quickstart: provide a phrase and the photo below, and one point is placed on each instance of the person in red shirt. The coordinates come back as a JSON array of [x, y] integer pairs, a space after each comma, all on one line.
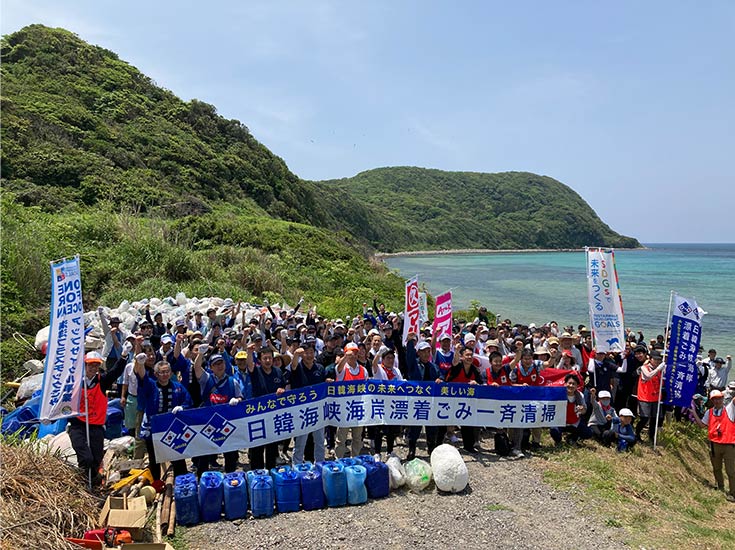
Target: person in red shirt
[[464, 371], [348, 369], [720, 424], [649, 390]]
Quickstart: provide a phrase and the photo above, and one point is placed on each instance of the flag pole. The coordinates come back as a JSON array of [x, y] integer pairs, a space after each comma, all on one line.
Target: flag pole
[[661, 384], [86, 424]]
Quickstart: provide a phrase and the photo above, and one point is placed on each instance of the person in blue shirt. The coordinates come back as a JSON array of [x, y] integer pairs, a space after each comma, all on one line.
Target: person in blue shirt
[[266, 380], [217, 388], [422, 369], [305, 371], [159, 395], [621, 431]]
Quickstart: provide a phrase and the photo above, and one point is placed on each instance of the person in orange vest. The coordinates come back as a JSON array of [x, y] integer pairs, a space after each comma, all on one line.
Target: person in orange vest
[[720, 423], [349, 369], [89, 455], [649, 388]]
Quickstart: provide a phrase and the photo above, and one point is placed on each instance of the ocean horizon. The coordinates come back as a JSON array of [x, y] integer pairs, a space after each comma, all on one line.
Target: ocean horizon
[[538, 287]]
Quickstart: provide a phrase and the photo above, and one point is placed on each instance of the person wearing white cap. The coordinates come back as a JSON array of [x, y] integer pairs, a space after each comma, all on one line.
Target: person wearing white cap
[[603, 413], [93, 412], [720, 424], [621, 431]]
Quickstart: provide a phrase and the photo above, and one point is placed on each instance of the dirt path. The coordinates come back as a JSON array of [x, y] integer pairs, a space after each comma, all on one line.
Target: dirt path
[[507, 505]]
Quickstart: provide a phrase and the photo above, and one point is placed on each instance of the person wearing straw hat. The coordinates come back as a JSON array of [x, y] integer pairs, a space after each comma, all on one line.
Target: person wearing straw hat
[[87, 432], [720, 424]]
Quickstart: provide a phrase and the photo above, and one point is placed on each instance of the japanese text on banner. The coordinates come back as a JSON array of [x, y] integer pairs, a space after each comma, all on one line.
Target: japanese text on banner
[[64, 368], [272, 418]]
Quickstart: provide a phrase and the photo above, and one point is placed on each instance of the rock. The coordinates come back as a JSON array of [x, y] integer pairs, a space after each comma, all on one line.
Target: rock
[[449, 470]]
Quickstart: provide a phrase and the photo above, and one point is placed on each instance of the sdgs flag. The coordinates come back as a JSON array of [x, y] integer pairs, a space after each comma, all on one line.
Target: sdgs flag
[[606, 304]]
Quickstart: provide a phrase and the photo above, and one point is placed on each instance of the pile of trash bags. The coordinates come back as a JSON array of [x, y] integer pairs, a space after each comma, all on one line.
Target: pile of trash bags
[[171, 308]]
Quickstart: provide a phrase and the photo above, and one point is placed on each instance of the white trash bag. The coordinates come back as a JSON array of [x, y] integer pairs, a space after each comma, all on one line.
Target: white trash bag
[[397, 472], [450, 471]]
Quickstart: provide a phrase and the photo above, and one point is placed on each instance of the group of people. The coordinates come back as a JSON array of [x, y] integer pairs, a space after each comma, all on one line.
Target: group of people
[[219, 356]]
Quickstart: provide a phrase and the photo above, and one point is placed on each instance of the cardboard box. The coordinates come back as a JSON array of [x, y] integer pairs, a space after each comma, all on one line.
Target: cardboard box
[[125, 513]]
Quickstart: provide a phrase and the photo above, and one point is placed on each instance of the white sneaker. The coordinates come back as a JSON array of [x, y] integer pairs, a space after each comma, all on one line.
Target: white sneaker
[[515, 453]]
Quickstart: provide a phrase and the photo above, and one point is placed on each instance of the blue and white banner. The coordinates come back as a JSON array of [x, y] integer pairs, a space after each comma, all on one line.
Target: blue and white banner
[[605, 301], [221, 428], [64, 368], [680, 378]]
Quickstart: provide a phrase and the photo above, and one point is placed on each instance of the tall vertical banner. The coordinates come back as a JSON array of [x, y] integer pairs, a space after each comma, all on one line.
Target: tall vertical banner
[[423, 308], [605, 301], [443, 316], [680, 378], [411, 313], [64, 368]]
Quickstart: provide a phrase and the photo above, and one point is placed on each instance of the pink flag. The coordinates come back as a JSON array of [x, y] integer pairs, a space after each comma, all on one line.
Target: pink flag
[[443, 316], [411, 315]]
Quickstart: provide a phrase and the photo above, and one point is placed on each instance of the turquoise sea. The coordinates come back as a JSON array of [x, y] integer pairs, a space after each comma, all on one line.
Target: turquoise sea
[[543, 286]]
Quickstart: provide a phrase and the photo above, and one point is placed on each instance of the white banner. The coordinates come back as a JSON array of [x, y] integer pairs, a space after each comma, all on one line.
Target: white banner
[[262, 420], [423, 308], [64, 368], [605, 302]]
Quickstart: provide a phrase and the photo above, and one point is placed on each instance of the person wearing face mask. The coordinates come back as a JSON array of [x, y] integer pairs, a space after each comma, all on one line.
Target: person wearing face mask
[[603, 413], [159, 394]]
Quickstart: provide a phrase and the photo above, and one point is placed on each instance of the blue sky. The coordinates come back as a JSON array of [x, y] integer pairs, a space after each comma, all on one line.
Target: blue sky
[[629, 103]]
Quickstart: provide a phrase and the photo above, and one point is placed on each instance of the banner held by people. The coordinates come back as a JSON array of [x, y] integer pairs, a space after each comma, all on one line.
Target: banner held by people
[[685, 334], [64, 366], [605, 301], [263, 420], [411, 312], [443, 316]]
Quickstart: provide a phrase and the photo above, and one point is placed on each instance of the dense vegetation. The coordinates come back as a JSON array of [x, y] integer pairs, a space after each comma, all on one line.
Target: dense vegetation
[[410, 208], [158, 195]]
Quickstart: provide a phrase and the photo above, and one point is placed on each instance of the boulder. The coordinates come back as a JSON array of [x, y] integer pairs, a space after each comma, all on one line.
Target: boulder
[[450, 471]]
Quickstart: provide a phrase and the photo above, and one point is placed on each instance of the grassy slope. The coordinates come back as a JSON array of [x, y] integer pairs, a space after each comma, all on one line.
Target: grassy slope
[[662, 499], [410, 208]]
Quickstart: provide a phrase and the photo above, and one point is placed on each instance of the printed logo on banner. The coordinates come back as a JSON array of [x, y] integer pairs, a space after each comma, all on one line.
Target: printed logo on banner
[[685, 308], [178, 436], [218, 429]]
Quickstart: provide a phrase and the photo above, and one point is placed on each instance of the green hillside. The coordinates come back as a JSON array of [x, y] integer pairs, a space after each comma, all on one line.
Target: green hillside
[[158, 195], [407, 208]]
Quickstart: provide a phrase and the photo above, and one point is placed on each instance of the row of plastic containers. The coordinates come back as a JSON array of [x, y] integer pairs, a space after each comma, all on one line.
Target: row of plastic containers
[[305, 486]]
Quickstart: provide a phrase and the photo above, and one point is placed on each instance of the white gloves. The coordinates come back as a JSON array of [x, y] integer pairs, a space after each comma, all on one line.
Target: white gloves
[[127, 348], [203, 348], [177, 409], [141, 357], [234, 401]]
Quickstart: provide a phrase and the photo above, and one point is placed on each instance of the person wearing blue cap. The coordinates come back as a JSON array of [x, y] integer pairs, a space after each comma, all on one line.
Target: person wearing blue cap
[[217, 387]]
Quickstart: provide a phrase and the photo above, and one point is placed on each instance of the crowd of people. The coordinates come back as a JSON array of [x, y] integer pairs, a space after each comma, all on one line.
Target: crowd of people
[[219, 356]]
